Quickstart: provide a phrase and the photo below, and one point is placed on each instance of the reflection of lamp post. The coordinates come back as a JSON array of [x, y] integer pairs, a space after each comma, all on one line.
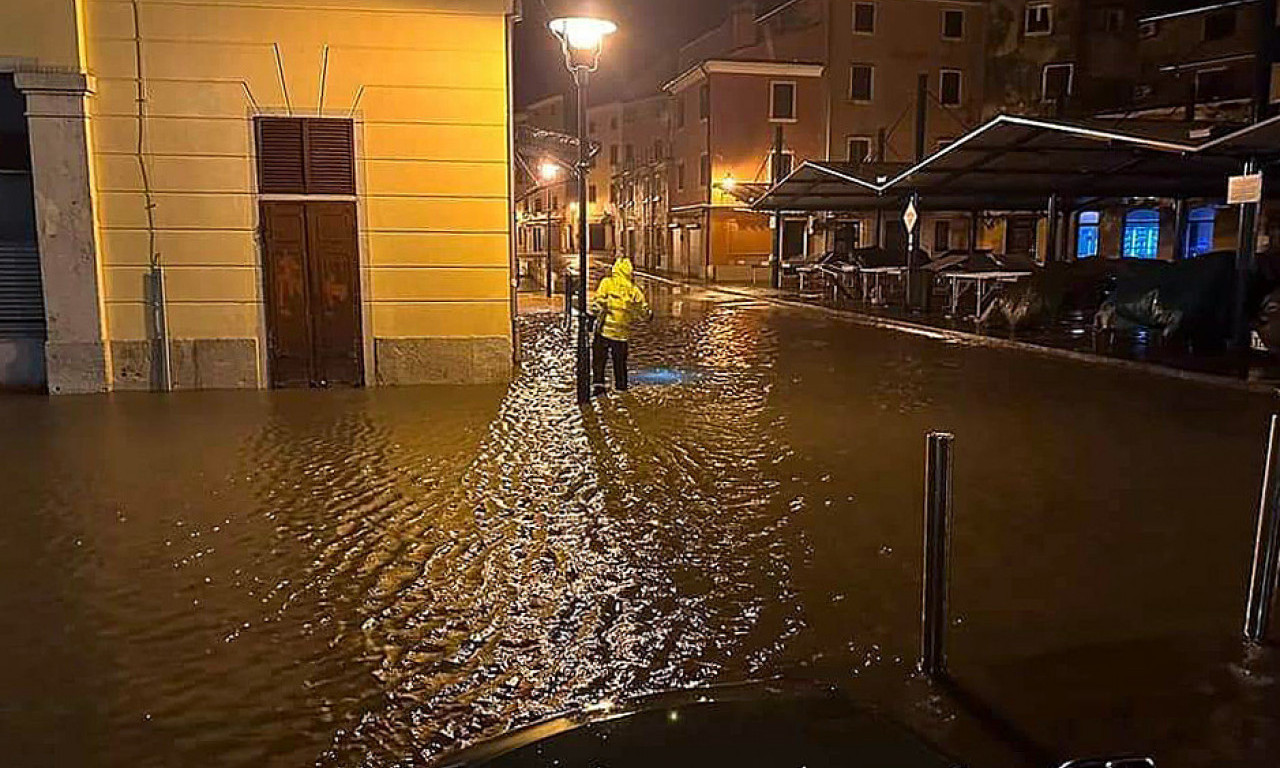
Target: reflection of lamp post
[[549, 172], [582, 40]]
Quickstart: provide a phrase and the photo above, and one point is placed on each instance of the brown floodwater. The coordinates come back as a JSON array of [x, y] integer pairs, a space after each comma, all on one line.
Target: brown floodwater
[[373, 578]]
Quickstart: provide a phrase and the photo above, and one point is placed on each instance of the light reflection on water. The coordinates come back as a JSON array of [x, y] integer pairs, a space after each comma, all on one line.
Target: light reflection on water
[[366, 578]]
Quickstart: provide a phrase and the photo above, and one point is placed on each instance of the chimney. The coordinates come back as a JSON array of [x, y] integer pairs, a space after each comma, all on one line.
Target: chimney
[[742, 25]]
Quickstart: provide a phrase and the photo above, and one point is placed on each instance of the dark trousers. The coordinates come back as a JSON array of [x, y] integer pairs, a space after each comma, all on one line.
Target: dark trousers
[[603, 348]]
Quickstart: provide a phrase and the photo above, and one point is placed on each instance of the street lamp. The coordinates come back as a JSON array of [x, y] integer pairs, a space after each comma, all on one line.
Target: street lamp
[[582, 39]]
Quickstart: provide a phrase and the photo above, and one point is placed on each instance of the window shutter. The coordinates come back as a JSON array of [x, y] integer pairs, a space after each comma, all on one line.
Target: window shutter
[[21, 297], [280, 156], [330, 157]]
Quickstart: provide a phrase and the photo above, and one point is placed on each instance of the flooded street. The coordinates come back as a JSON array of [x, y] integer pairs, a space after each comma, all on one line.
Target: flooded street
[[372, 578]]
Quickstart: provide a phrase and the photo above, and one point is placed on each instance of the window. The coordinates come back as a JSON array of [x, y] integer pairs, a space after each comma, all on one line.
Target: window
[[1057, 80], [704, 171], [680, 111], [657, 150], [613, 193], [1087, 234], [941, 236], [953, 25], [859, 149], [949, 88], [613, 154], [788, 164], [860, 85], [591, 193], [1038, 19], [555, 202], [1142, 234], [680, 176], [704, 102], [782, 102], [1219, 25], [305, 156], [1200, 231], [1214, 84], [631, 154], [864, 18], [1111, 20]]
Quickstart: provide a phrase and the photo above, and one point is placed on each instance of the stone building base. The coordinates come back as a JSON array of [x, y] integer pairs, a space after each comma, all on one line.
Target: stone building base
[[22, 365], [195, 364], [77, 368], [406, 362]]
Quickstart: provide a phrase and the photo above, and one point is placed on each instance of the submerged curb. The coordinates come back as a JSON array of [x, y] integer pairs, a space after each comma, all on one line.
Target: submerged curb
[[949, 334]]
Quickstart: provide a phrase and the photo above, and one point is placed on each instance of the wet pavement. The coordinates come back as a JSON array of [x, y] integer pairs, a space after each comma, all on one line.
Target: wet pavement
[[373, 578]]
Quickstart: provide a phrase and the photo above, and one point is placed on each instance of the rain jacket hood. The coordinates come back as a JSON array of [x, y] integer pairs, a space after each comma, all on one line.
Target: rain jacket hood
[[618, 302]]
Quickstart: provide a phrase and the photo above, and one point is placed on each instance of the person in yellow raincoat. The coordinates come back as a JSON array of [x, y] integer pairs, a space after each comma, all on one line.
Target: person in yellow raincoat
[[617, 303]]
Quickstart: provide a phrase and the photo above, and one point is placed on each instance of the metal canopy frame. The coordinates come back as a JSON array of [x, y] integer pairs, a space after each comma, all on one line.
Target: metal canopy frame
[[1017, 164]]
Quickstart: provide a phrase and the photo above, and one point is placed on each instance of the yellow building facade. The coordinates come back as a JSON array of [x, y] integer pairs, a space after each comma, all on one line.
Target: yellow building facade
[[152, 186]]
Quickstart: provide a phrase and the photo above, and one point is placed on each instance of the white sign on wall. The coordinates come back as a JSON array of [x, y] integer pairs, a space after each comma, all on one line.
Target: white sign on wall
[[1244, 189]]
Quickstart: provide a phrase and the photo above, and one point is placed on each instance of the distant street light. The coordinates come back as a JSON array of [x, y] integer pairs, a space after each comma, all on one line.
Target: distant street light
[[582, 39]]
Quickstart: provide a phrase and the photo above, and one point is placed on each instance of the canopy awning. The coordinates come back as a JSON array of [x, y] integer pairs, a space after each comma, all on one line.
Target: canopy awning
[[831, 186], [1260, 140], [1017, 163]]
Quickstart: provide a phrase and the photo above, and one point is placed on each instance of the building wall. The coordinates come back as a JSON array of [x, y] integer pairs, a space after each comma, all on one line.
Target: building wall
[[427, 86], [41, 34], [1173, 50], [641, 180], [1105, 67]]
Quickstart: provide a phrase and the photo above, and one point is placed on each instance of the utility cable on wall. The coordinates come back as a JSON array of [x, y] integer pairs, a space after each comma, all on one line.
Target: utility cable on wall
[[156, 293]]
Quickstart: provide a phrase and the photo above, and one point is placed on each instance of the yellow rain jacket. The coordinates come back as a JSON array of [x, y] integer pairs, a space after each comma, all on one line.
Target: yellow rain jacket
[[618, 302]]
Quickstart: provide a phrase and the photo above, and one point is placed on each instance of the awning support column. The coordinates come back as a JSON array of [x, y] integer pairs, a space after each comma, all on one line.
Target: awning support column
[[1245, 253], [1180, 229], [775, 272], [1051, 236]]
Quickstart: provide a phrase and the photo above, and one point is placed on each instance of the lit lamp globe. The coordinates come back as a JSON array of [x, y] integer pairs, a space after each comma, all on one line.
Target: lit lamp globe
[[549, 171], [582, 39]]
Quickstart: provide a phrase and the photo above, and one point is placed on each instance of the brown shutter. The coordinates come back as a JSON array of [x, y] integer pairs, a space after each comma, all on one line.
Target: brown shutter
[[330, 157], [280, 156]]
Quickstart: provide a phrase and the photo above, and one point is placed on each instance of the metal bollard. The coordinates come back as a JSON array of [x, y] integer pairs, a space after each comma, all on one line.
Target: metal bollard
[[1266, 550], [937, 543]]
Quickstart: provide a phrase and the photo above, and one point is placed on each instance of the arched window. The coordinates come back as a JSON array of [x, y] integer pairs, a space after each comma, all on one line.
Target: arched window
[[1200, 231], [1142, 234], [1087, 234]]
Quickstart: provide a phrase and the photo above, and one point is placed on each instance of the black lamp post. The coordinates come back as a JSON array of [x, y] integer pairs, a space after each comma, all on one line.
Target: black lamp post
[[582, 39]]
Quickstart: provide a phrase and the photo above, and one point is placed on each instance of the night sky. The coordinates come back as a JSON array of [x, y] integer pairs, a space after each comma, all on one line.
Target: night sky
[[645, 27]]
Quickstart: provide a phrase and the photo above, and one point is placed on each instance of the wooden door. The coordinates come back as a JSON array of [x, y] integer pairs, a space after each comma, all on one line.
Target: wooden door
[[288, 295], [333, 264], [311, 267]]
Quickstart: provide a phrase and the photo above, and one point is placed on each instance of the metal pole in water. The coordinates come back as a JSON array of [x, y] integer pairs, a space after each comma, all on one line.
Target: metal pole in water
[[937, 543], [1266, 550]]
